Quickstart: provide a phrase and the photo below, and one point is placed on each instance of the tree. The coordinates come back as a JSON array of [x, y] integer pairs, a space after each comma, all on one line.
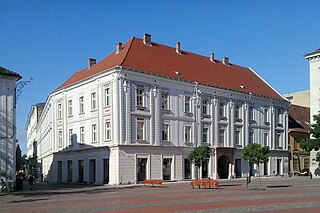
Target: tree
[[256, 154], [309, 144], [199, 155]]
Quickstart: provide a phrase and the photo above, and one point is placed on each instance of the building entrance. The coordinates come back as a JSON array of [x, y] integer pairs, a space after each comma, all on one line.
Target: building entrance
[[223, 166], [141, 169]]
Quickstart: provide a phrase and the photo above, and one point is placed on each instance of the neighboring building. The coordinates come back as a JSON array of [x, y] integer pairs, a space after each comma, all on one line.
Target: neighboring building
[[139, 112], [8, 81], [300, 98], [32, 122], [314, 66], [299, 128]]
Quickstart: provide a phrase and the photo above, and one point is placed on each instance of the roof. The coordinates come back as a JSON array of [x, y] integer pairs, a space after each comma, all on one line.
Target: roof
[[317, 51], [4, 71], [299, 118], [165, 61]]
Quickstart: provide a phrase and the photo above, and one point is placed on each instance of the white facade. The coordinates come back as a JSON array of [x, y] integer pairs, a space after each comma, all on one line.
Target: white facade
[[300, 98], [314, 66], [7, 125], [136, 134]]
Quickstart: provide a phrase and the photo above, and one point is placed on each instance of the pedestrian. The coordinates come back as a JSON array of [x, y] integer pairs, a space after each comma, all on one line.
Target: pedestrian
[[31, 180]]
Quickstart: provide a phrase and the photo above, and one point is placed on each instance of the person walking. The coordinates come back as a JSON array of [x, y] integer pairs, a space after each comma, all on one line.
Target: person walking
[[31, 180]]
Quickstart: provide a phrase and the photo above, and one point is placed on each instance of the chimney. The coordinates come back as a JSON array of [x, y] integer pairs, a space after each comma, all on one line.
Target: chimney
[[225, 61], [118, 47], [212, 57], [178, 49], [91, 61], [147, 39]]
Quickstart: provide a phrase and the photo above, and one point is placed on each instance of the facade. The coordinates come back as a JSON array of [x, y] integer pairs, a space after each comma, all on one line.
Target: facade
[[314, 66], [300, 98], [32, 122], [8, 81], [138, 113], [299, 128]]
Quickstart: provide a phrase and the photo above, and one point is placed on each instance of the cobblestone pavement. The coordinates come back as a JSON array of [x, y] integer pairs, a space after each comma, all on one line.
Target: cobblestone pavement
[[291, 194]]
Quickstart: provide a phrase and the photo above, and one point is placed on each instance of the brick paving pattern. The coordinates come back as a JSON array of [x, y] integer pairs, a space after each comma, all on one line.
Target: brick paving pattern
[[292, 194]]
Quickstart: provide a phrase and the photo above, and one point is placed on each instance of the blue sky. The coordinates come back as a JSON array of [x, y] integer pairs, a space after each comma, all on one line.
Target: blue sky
[[50, 40]]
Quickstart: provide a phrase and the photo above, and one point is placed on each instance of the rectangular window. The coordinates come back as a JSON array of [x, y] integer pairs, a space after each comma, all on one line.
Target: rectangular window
[[251, 113], [237, 137], [237, 112], [70, 107], [81, 105], [60, 138], [278, 117], [82, 135], [187, 106], [107, 97], [187, 134], [70, 136], [265, 116], [94, 132], [140, 129], [221, 135], [93, 101], [165, 132], [205, 134], [265, 139], [165, 101], [222, 110], [139, 96], [59, 111], [251, 137], [278, 141], [205, 107], [107, 132]]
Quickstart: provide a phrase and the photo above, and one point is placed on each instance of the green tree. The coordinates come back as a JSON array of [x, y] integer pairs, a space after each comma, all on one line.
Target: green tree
[[309, 144], [199, 155], [256, 154]]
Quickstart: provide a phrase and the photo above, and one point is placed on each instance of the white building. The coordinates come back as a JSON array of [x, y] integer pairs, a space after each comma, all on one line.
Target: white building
[[314, 66], [138, 113], [300, 98], [8, 81]]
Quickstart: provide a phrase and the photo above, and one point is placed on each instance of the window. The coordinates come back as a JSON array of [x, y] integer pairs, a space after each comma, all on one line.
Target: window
[[251, 113], [59, 111], [187, 134], [165, 101], [265, 139], [221, 135], [60, 138], [107, 97], [237, 113], [70, 107], [278, 141], [94, 132], [278, 117], [265, 116], [81, 105], [187, 105], [205, 106], [205, 134], [165, 132], [107, 132], [222, 110], [93, 101], [140, 129], [237, 137], [139, 97], [70, 136], [81, 134], [251, 137]]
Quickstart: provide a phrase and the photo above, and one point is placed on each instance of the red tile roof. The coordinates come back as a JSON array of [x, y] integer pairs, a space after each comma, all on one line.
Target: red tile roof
[[163, 60], [299, 118]]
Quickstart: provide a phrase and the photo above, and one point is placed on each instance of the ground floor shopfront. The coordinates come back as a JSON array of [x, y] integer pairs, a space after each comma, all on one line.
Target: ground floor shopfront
[[129, 164]]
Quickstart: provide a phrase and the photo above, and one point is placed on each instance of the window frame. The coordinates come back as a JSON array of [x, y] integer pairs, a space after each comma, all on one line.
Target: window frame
[[205, 133], [60, 138], [165, 136], [140, 96], [59, 111], [70, 108], [205, 106], [82, 135], [94, 134], [81, 105], [187, 134], [140, 130], [187, 104], [70, 136], [107, 97], [107, 130], [165, 100], [93, 101]]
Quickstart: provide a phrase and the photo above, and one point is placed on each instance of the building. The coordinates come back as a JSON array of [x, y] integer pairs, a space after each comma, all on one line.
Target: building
[[8, 81], [299, 128], [300, 98], [314, 67], [138, 113], [31, 125]]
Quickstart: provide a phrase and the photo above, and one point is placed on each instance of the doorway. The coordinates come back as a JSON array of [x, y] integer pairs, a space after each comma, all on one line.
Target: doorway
[[223, 166], [166, 169], [238, 168], [141, 169], [106, 171], [81, 171], [59, 180]]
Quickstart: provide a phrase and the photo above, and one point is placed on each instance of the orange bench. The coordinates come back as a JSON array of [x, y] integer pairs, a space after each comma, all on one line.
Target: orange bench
[[152, 182], [204, 183]]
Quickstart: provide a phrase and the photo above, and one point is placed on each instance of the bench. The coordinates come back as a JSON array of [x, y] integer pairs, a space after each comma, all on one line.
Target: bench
[[204, 183], [152, 182]]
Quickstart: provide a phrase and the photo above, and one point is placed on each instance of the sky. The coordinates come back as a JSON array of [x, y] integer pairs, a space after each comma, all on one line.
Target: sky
[[50, 40]]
